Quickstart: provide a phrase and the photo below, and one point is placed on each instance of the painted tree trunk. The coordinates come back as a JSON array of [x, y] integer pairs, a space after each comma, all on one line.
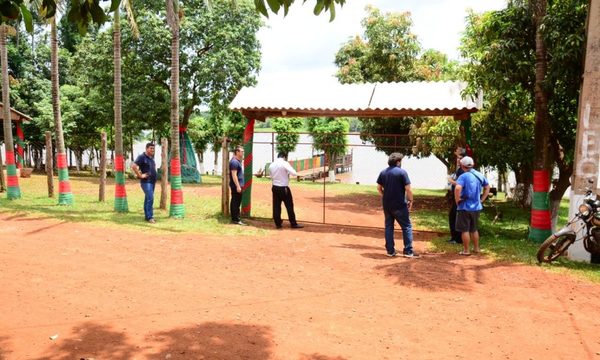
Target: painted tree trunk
[[177, 209], [13, 191], [541, 226], [65, 196], [247, 188], [121, 204]]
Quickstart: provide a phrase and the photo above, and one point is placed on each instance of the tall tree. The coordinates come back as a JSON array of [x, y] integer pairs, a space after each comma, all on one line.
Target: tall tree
[[14, 191], [65, 196], [173, 16], [120, 192], [387, 51]]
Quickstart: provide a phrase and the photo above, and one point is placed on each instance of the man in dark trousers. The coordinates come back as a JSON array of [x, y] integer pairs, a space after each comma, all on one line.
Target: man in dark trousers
[[144, 169], [455, 236], [280, 171], [236, 183], [394, 186], [468, 198]]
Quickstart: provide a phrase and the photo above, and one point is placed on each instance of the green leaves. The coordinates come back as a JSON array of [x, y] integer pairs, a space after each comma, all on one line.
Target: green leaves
[[275, 5], [27, 18], [10, 9]]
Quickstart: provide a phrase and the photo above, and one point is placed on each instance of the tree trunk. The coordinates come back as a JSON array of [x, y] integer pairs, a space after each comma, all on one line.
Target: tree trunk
[[165, 173], [121, 204], [541, 226], [102, 187], [177, 208], [49, 164], [65, 197], [2, 180], [14, 192], [200, 161]]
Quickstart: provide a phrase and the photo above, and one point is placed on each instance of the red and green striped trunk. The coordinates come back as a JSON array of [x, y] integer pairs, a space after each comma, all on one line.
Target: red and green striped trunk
[[20, 146], [65, 197], [541, 226], [14, 192], [120, 192], [177, 209], [247, 189]]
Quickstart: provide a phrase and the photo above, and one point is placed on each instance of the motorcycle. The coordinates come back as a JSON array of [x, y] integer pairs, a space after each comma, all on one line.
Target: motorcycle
[[588, 218]]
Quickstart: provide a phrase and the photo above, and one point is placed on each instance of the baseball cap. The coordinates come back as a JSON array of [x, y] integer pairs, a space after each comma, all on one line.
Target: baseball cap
[[467, 161]]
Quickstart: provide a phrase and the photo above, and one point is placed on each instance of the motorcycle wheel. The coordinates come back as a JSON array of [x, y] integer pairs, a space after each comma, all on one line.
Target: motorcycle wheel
[[553, 247]]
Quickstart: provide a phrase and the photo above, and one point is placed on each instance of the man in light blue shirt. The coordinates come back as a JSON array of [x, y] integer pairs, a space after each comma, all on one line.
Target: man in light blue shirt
[[468, 197]]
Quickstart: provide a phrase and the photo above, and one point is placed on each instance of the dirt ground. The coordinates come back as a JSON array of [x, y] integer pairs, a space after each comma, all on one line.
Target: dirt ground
[[325, 292]]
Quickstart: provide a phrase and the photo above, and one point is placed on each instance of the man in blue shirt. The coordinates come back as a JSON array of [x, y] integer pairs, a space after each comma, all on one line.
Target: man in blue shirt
[[145, 170], [467, 195], [236, 183], [394, 186]]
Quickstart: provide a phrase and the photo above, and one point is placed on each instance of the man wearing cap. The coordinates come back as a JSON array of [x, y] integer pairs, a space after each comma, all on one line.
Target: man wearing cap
[[468, 197], [455, 236], [280, 171], [394, 186]]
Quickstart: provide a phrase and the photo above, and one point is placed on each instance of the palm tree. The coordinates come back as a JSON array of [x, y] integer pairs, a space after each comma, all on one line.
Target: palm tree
[[177, 209], [65, 197], [120, 193], [14, 192]]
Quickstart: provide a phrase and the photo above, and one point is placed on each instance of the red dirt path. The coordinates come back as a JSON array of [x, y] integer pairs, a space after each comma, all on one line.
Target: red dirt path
[[316, 293]]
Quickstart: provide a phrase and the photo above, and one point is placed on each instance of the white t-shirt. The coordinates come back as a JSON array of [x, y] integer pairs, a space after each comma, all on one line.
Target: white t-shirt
[[280, 171]]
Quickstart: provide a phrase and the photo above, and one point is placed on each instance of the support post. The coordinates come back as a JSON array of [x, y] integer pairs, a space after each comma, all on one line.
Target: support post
[[587, 145], [164, 150], [49, 164], [247, 189], [2, 179], [20, 144], [225, 177], [102, 190]]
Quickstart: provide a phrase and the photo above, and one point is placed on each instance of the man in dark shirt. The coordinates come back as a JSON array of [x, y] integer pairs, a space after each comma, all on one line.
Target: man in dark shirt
[[145, 169], [455, 236], [236, 183], [394, 186]]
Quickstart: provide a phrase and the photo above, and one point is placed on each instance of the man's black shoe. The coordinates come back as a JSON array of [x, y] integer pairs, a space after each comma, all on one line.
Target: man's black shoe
[[297, 226], [279, 227]]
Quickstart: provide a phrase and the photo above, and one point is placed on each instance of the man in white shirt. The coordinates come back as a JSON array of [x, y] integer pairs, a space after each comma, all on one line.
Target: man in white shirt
[[280, 171]]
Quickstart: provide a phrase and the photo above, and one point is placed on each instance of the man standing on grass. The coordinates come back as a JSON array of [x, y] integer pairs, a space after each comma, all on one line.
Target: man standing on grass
[[280, 171], [144, 169], [236, 182], [468, 197], [394, 186]]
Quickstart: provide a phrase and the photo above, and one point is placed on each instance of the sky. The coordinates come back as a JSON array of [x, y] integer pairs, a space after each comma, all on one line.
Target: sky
[[301, 47]]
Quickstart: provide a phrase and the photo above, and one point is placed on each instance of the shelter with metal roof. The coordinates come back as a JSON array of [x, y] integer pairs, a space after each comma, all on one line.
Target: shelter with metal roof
[[373, 100]]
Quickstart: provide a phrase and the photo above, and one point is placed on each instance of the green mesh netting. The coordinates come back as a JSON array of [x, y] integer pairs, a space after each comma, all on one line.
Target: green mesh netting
[[189, 170]]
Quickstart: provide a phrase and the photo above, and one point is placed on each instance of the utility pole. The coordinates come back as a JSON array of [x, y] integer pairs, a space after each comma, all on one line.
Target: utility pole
[[587, 145]]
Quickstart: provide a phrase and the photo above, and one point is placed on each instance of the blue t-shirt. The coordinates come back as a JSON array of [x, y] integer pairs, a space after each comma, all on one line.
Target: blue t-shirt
[[147, 166], [393, 179], [235, 164], [472, 182]]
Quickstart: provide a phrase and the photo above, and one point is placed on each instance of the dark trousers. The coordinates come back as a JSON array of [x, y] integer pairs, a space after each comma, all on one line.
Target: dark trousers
[[234, 205], [283, 193], [455, 235]]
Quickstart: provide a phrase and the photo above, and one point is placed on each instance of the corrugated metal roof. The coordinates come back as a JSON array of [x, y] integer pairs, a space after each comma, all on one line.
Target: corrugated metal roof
[[15, 115], [409, 96]]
